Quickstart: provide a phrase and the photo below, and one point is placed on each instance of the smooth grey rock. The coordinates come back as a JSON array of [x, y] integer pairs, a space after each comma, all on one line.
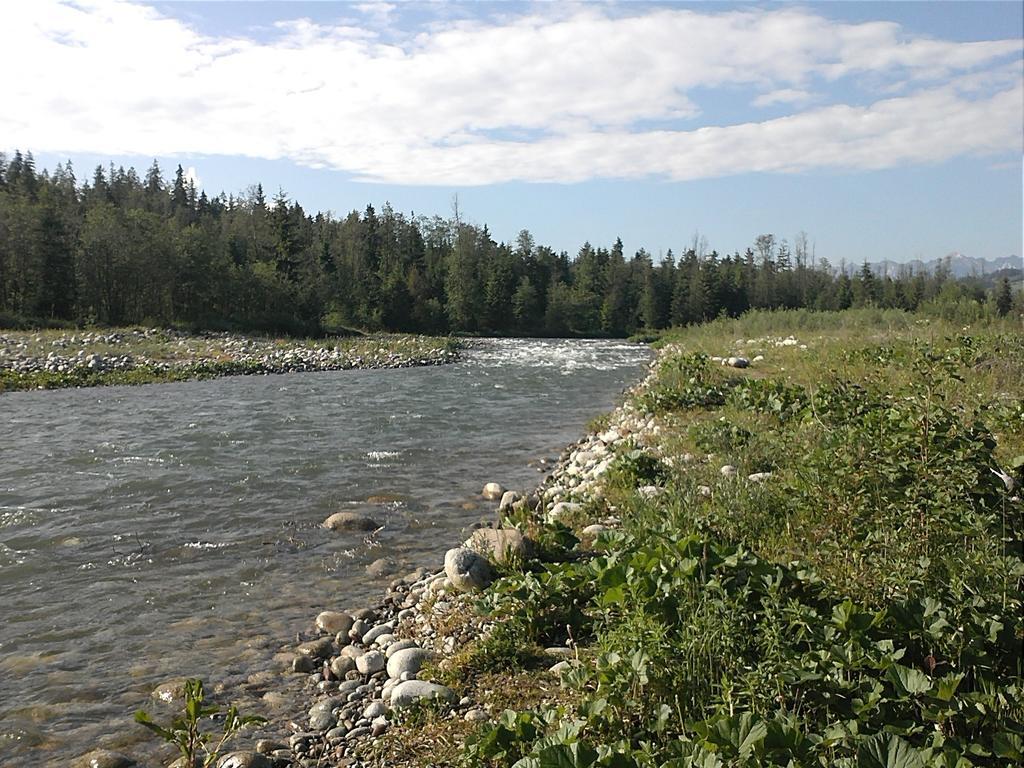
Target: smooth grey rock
[[103, 758], [245, 760], [333, 622], [350, 521], [728, 470], [377, 631], [400, 645], [466, 570], [407, 660], [379, 725], [269, 746], [336, 734], [758, 477], [375, 709], [321, 714], [593, 530], [404, 694], [508, 498], [381, 567], [475, 715], [317, 649], [499, 545], [170, 691], [649, 492], [342, 664], [493, 491], [303, 664], [562, 508], [370, 662]]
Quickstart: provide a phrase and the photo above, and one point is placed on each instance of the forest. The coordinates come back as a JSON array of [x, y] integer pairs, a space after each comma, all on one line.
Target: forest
[[120, 249]]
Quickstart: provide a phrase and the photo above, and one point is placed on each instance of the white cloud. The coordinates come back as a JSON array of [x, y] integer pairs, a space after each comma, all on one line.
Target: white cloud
[[557, 95]]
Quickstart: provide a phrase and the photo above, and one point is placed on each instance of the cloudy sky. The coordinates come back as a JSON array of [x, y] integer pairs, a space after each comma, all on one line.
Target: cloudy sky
[[883, 130]]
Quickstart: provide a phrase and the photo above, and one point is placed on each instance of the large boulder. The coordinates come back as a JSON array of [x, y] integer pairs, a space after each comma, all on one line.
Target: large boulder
[[499, 544], [350, 521], [467, 570], [404, 694]]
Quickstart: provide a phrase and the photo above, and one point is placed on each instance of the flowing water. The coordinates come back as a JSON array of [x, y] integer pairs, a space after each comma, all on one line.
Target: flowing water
[[174, 529]]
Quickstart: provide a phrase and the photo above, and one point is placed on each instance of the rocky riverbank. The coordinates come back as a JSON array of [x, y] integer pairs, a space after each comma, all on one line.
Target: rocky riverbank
[[408, 681], [52, 359]]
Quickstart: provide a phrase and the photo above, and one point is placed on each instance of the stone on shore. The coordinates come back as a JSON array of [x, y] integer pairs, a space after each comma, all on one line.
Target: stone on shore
[[759, 477], [507, 500], [493, 491], [407, 660], [350, 521], [170, 691], [321, 714], [728, 471], [317, 649], [400, 645], [245, 760], [370, 662], [333, 622], [499, 545], [103, 758], [404, 694], [467, 570]]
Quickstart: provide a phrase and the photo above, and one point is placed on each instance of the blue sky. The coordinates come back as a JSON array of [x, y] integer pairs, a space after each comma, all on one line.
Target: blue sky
[[882, 130]]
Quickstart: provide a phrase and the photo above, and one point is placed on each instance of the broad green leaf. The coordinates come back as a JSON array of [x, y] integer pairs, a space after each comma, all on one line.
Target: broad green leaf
[[886, 751], [908, 681]]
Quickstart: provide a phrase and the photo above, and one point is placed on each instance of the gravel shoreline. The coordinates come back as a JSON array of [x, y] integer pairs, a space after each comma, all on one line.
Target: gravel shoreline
[[31, 360]]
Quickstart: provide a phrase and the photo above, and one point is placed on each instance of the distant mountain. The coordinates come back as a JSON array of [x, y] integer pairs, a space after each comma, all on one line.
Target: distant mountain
[[958, 264]]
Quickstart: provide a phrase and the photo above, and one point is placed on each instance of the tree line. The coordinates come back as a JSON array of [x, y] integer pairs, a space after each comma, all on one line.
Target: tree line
[[122, 249]]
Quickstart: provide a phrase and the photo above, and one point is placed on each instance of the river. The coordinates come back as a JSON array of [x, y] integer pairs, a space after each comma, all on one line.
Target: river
[[174, 529]]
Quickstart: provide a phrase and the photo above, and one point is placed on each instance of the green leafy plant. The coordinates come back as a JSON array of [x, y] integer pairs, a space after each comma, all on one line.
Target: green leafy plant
[[197, 746]]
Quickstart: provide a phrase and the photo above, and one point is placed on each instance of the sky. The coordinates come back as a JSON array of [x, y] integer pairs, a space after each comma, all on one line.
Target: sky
[[883, 130]]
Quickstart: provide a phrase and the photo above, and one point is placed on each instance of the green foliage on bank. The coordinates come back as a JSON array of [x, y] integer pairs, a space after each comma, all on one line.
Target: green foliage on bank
[[860, 607]]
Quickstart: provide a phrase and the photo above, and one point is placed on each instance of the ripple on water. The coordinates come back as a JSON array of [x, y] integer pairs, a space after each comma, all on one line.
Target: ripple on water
[[151, 520]]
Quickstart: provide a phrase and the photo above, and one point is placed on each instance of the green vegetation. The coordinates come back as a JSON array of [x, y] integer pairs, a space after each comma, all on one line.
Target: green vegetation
[[862, 606], [120, 249], [199, 747]]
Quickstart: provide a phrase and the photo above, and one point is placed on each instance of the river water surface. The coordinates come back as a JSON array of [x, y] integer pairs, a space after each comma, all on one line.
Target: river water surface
[[174, 529]]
